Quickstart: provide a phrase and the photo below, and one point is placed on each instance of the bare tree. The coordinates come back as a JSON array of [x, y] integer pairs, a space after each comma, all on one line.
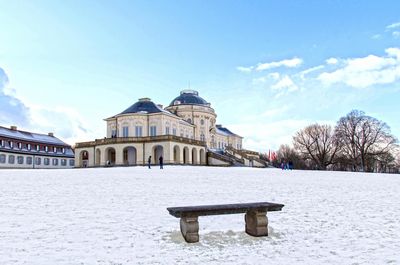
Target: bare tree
[[362, 138], [285, 154], [318, 144]]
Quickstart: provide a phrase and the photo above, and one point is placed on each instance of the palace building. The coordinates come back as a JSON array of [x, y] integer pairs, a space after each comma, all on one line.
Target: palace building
[[185, 132], [21, 149]]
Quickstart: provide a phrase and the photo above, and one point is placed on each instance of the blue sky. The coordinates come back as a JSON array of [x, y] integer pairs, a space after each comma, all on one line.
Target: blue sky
[[268, 68]]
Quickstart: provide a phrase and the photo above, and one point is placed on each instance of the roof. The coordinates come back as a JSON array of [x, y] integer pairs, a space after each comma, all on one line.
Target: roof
[[144, 105], [189, 97], [224, 131], [31, 137]]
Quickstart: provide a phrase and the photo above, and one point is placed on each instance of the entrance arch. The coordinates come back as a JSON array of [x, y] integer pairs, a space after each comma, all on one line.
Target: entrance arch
[[158, 151], [98, 157], [110, 156], [177, 155], [185, 155], [84, 158], [194, 156], [202, 157], [129, 155]]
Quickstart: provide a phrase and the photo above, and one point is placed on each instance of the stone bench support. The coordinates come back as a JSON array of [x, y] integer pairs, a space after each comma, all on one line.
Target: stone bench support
[[190, 229]]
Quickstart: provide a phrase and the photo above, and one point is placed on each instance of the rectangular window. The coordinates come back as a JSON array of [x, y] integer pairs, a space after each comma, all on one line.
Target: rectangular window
[[71, 162], [38, 161], [29, 160], [29, 147], [2, 159], [46, 148], [113, 133], [153, 130], [63, 150], [20, 160], [167, 130], [46, 161], [19, 146], [174, 131], [64, 162], [125, 131], [2, 143], [138, 131], [37, 147], [55, 149], [11, 144], [55, 162], [11, 159]]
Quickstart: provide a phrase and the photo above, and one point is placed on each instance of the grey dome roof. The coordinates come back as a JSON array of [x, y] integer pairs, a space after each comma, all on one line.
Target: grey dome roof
[[144, 105], [189, 97]]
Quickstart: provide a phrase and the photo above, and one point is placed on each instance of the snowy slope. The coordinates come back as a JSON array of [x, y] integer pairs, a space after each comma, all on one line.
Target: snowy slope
[[119, 216]]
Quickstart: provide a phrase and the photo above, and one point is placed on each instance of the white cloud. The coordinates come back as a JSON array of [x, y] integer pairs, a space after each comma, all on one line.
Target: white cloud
[[394, 25], [396, 34], [366, 71], [332, 61], [285, 83], [264, 79], [310, 70], [295, 62], [244, 69], [65, 123]]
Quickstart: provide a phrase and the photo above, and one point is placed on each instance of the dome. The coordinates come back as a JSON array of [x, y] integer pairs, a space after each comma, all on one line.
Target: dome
[[189, 97], [144, 105]]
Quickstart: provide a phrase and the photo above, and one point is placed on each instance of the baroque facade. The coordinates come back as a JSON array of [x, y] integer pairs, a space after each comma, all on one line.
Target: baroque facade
[[22, 149], [184, 132]]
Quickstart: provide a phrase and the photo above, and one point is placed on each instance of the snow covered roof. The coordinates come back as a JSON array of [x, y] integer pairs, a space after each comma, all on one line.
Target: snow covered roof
[[189, 97], [31, 137], [224, 131]]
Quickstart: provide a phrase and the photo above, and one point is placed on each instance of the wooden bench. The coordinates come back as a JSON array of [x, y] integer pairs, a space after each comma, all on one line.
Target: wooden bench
[[255, 218]]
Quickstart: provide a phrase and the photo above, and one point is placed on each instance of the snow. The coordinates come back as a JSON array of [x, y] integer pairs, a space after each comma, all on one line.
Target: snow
[[118, 216]]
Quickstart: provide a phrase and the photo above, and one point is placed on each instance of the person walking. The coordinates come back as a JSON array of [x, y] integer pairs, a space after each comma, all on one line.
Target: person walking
[[149, 161], [161, 159]]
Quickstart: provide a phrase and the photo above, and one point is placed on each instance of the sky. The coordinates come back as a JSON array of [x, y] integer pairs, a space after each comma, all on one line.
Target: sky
[[268, 68]]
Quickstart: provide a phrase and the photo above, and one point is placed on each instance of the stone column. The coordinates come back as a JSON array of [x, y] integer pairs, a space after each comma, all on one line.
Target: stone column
[[256, 223], [190, 229]]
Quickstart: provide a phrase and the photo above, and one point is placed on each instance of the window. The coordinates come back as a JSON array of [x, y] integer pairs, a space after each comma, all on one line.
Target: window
[[19, 146], [37, 147], [166, 130], [202, 122], [153, 130], [20, 160], [64, 162], [54, 149], [2, 143], [2, 159], [29, 160], [202, 137], [55, 162], [46, 148], [113, 133], [71, 162], [11, 144], [174, 131], [125, 131], [46, 161], [29, 147], [138, 131], [38, 161], [11, 159], [63, 150], [189, 120]]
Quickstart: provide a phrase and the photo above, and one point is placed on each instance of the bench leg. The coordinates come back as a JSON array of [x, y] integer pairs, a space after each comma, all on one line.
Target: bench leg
[[190, 229], [256, 223]]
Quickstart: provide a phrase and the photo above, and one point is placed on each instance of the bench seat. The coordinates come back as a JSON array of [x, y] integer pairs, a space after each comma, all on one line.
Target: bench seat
[[255, 218]]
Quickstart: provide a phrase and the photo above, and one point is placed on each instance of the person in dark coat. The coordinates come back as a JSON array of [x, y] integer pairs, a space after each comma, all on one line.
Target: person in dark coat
[[149, 161], [161, 159]]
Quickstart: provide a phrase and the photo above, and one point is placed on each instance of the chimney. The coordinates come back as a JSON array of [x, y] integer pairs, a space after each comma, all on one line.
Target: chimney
[[51, 134], [160, 106], [14, 128]]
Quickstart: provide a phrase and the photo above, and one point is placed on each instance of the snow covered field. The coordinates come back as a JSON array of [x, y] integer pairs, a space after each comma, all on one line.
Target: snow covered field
[[118, 216]]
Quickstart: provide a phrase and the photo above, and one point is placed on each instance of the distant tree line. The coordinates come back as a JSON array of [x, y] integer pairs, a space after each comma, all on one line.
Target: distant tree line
[[358, 142]]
